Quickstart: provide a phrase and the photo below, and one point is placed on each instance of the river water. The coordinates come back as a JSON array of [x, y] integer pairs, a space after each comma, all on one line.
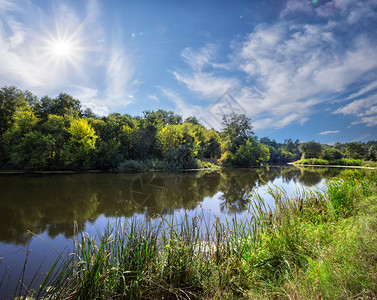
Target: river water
[[48, 205]]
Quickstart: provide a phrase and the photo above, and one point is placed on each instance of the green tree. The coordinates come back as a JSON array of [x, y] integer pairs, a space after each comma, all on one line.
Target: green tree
[[251, 153], [24, 122], [56, 128], [237, 128], [372, 153], [331, 154], [162, 117], [355, 150], [211, 145], [292, 147], [108, 145], [269, 142], [310, 149], [11, 99], [192, 120], [172, 136], [34, 151], [88, 113], [61, 105], [81, 144]]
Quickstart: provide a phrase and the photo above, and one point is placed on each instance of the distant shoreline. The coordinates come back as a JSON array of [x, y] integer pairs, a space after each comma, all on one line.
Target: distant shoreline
[[334, 166]]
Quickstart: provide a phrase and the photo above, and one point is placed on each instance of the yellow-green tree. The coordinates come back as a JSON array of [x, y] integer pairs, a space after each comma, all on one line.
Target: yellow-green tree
[[81, 144]]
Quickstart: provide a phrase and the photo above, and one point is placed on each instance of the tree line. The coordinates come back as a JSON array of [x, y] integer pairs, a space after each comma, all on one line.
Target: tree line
[[57, 134]]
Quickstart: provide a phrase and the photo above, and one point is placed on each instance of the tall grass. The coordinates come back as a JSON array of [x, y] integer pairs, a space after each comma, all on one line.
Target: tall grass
[[311, 245]]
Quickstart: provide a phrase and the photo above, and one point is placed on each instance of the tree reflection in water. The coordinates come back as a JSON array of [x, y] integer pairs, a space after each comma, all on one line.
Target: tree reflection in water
[[52, 203]]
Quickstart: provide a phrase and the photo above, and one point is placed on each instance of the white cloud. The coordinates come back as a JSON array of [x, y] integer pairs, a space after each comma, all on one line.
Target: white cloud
[[352, 108], [201, 80], [292, 67], [368, 121], [364, 109], [204, 116], [197, 60], [329, 132], [365, 89], [371, 111], [181, 105], [206, 56], [207, 84], [154, 98], [7, 6], [297, 6], [98, 110]]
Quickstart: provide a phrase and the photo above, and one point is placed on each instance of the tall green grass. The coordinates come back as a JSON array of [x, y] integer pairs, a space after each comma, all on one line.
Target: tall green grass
[[336, 162], [311, 245]]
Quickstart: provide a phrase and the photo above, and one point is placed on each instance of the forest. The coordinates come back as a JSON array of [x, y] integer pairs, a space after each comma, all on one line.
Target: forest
[[58, 134]]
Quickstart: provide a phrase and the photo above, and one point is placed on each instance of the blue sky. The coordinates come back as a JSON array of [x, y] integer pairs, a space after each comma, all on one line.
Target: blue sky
[[299, 68]]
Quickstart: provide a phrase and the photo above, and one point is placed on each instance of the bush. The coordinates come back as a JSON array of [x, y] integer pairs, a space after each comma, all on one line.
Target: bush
[[348, 162], [226, 159], [134, 166], [131, 166], [179, 158], [207, 165]]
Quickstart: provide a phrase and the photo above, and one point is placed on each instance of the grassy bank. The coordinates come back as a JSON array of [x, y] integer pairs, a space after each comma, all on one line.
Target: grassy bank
[[337, 162], [313, 245]]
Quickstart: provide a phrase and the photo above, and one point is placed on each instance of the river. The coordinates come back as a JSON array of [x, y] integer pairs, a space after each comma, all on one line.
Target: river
[[48, 205]]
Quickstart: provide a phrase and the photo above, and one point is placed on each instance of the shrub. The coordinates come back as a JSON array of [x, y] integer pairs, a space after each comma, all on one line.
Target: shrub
[[179, 158], [348, 162], [134, 166], [131, 166]]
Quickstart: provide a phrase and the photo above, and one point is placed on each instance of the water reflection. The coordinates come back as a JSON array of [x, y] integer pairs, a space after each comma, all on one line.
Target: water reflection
[[51, 203]]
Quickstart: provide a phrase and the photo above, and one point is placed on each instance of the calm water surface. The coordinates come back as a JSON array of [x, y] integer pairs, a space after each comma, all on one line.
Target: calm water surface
[[48, 205]]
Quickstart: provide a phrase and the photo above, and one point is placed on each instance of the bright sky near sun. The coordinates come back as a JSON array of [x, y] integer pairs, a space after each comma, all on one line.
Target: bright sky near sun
[[299, 68]]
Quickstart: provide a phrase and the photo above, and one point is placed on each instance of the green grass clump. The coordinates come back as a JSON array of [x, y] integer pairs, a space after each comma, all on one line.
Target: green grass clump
[[337, 162], [311, 245], [312, 161], [347, 162]]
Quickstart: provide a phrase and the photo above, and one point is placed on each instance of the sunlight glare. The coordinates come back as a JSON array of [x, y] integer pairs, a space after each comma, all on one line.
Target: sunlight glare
[[62, 48]]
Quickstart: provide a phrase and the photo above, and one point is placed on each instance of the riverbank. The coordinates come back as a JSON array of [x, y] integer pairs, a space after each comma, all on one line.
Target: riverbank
[[333, 166], [316, 245], [339, 163]]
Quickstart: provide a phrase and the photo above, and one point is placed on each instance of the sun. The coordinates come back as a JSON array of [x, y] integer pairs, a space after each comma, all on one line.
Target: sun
[[63, 51], [62, 48]]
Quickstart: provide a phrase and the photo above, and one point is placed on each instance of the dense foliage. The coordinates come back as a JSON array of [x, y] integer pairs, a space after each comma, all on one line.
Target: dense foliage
[[57, 134]]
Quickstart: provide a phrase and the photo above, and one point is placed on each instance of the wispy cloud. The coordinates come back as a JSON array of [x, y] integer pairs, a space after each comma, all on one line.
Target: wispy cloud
[[364, 90], [292, 67], [204, 57], [364, 109], [368, 121], [154, 98], [207, 84], [329, 132], [181, 106]]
